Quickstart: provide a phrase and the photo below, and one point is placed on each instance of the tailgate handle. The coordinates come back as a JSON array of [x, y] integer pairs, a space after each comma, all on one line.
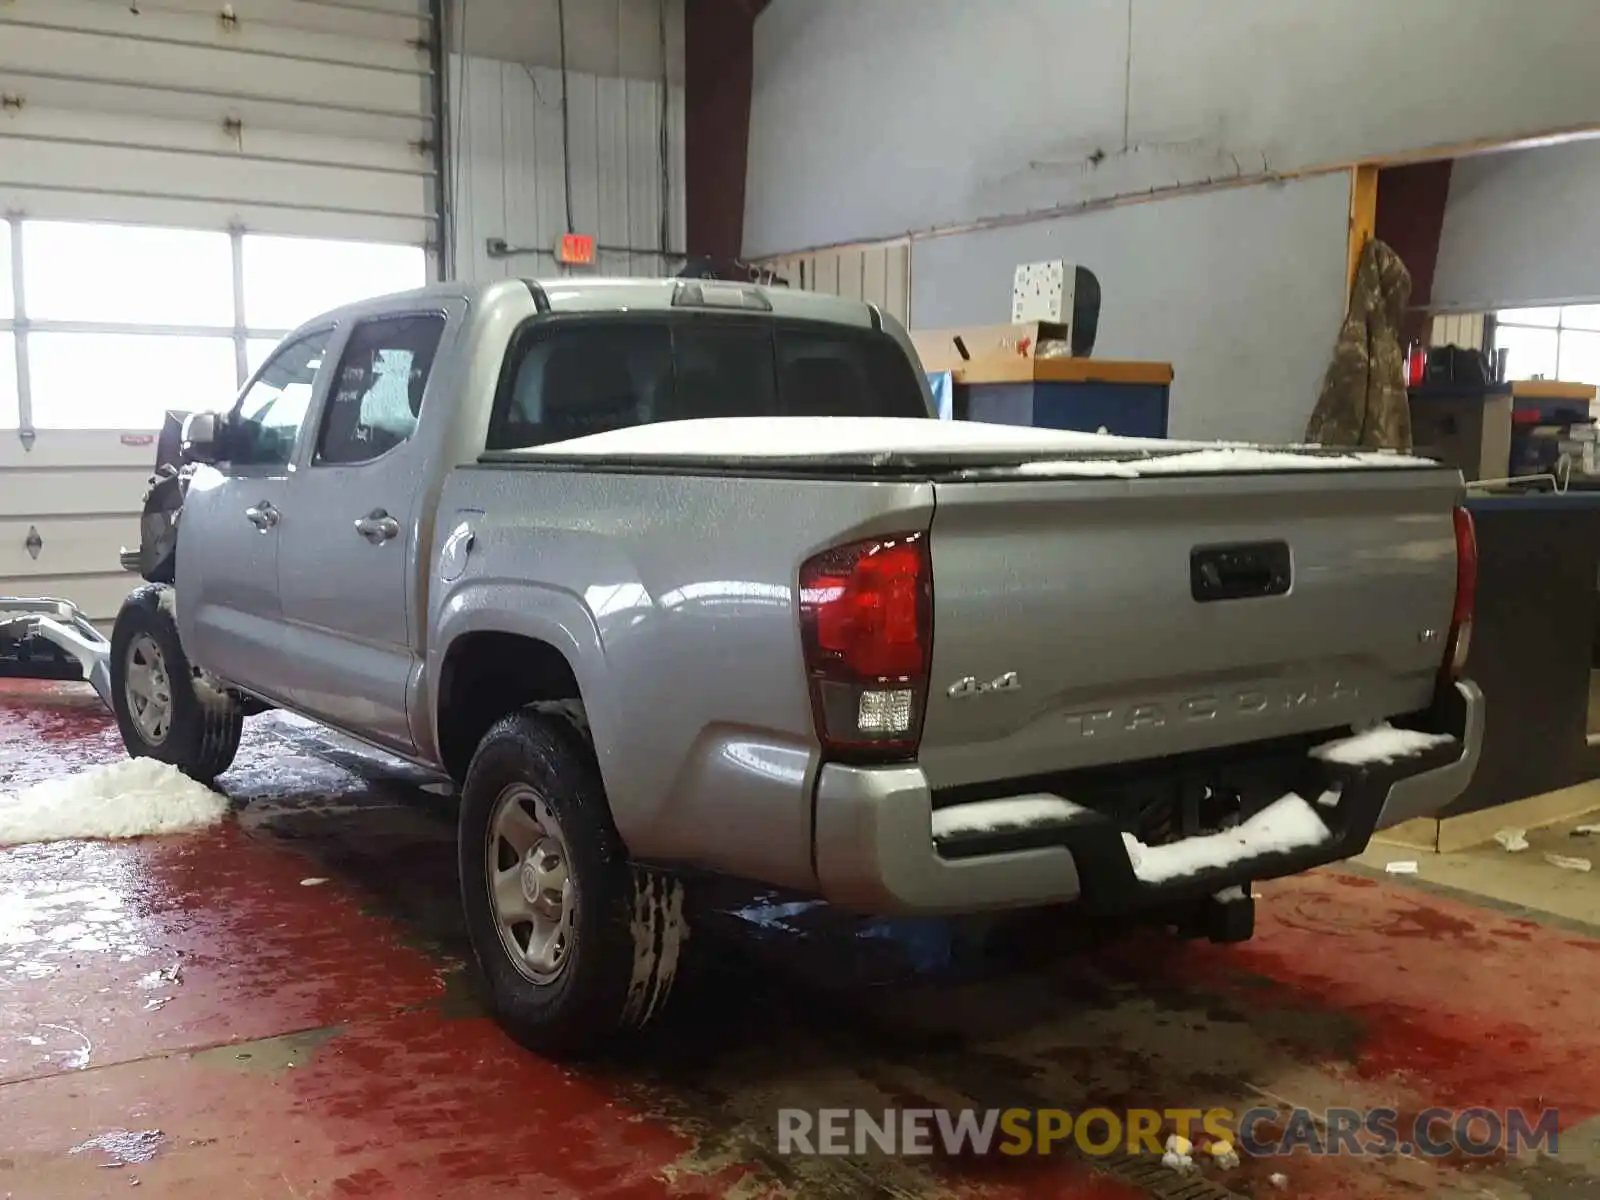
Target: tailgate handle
[[1239, 572]]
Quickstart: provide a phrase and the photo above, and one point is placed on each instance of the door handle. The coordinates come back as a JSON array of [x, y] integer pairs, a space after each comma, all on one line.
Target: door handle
[[263, 516], [1240, 572], [378, 527]]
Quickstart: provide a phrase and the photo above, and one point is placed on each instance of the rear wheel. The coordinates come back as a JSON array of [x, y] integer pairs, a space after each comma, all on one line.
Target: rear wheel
[[577, 946], [164, 710]]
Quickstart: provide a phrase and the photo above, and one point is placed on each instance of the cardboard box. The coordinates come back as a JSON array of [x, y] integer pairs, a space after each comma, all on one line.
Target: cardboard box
[[1471, 433], [940, 349]]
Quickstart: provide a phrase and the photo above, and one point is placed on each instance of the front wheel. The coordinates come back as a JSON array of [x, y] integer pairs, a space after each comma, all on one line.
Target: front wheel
[[577, 946], [164, 711]]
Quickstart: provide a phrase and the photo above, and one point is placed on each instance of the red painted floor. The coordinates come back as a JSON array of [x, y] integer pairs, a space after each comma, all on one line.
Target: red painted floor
[[187, 1017]]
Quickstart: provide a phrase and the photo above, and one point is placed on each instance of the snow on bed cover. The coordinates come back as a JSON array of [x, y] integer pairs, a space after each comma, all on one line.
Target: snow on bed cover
[[794, 437], [1288, 823], [137, 797], [984, 816], [1383, 743]]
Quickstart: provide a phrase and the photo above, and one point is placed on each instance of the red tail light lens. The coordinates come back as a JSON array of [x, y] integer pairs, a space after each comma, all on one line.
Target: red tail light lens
[[866, 625], [1460, 640]]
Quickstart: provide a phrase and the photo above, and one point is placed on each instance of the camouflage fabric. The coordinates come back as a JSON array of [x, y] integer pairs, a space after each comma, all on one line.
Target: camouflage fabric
[[1363, 401]]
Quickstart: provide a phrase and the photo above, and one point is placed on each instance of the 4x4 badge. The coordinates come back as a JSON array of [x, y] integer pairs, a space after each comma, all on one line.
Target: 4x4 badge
[[963, 688]]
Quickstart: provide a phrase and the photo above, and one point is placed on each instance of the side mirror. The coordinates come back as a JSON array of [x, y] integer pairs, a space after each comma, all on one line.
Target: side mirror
[[200, 437]]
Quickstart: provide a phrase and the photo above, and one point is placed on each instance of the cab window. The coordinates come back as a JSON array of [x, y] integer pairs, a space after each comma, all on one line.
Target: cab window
[[574, 378], [376, 397], [264, 427]]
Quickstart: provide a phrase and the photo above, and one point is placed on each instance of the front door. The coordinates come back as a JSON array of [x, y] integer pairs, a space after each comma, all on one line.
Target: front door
[[229, 532], [349, 534]]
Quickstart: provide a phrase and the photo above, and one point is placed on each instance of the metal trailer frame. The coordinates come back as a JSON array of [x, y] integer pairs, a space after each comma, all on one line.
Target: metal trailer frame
[[61, 623]]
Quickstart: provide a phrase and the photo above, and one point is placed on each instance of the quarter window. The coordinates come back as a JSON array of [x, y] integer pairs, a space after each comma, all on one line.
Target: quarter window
[[376, 397]]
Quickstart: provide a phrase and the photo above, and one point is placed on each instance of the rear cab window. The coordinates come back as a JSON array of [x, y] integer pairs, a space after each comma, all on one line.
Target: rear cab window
[[569, 378]]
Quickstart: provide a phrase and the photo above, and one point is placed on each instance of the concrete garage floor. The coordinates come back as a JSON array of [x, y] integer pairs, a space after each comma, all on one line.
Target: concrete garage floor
[[189, 1017]]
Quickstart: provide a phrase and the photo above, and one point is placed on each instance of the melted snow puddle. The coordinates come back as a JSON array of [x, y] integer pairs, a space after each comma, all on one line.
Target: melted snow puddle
[[138, 797]]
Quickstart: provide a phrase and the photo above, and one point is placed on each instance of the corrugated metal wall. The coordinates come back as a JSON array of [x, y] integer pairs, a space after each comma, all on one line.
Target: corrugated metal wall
[[878, 274], [506, 120], [1458, 329]]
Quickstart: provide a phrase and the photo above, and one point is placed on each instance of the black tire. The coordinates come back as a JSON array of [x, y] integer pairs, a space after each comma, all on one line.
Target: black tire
[[202, 735], [628, 926]]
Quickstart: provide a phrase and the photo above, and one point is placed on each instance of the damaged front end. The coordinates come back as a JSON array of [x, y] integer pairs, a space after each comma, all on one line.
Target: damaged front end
[[49, 637]]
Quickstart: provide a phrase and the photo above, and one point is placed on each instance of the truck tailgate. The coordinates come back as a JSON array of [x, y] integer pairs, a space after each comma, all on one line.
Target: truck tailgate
[[1083, 622]]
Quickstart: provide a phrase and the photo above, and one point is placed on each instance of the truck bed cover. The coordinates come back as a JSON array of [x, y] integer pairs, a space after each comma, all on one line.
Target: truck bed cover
[[889, 444]]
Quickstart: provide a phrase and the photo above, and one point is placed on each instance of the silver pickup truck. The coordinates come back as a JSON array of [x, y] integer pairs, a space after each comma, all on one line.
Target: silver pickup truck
[[678, 578]]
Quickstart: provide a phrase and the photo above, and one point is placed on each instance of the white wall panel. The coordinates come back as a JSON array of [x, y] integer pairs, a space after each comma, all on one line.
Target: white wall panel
[[1521, 229], [42, 167], [879, 274], [616, 38], [136, 27], [99, 595], [370, 20], [220, 69], [82, 491], [1241, 290], [872, 120], [509, 182], [69, 493], [68, 545], [1458, 329], [136, 131], [256, 115], [293, 117]]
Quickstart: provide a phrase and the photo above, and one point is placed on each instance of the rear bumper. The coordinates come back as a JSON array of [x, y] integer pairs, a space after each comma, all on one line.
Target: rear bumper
[[875, 849]]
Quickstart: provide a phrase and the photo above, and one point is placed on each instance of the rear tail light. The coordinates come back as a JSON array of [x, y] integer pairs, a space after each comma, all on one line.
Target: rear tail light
[[866, 625], [1460, 640]]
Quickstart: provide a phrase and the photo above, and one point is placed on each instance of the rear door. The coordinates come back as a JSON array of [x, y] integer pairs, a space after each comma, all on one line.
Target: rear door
[[229, 532], [350, 530]]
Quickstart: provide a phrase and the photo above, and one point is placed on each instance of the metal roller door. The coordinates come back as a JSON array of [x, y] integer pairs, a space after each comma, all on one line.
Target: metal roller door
[[181, 181]]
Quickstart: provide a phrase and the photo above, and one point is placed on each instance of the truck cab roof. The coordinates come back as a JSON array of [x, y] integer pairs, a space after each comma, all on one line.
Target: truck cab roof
[[575, 294]]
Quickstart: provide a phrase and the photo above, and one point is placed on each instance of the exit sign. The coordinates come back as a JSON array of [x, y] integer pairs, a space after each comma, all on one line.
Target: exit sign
[[575, 249]]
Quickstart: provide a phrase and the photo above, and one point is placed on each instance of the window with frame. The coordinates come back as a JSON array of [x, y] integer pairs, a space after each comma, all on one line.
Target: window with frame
[[569, 380], [264, 427], [1558, 343], [376, 397]]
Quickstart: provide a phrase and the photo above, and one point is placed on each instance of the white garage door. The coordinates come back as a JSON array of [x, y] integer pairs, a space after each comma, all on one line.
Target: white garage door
[[181, 182]]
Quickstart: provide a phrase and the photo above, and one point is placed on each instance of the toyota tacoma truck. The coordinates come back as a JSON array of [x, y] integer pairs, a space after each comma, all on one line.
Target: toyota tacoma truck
[[682, 579]]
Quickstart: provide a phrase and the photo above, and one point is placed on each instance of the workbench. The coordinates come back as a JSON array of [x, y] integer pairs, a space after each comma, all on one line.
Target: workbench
[[1001, 376]]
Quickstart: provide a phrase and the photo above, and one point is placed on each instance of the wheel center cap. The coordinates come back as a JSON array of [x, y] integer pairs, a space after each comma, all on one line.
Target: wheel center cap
[[532, 879]]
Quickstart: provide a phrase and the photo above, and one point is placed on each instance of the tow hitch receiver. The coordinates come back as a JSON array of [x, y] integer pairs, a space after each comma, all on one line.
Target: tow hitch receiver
[[1229, 915], [1225, 916]]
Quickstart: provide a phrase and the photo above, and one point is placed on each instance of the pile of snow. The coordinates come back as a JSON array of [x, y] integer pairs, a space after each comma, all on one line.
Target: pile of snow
[[794, 437], [1019, 812], [1288, 823], [137, 797], [1381, 744], [1180, 1154], [1218, 461]]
